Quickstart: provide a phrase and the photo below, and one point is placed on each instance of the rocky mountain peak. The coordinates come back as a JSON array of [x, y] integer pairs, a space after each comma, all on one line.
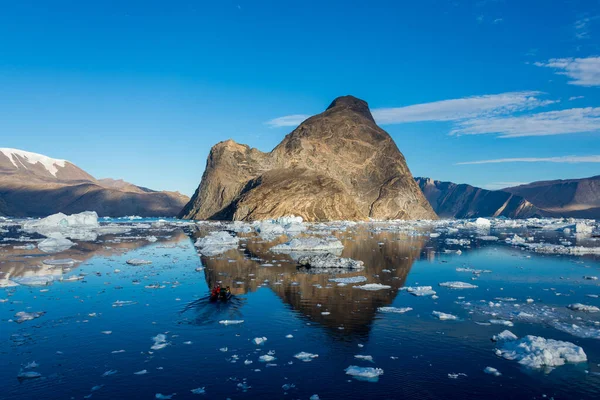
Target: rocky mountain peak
[[351, 103]]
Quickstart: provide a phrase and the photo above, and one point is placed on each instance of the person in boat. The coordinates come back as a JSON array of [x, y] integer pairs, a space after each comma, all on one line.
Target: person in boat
[[216, 291], [225, 293]]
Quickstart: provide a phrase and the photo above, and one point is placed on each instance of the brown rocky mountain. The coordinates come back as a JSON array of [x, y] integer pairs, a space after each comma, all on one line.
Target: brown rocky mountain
[[336, 165], [451, 200], [578, 198], [33, 185]]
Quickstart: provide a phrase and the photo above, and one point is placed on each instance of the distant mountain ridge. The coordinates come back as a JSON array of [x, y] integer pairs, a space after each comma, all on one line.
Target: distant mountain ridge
[[34, 185], [451, 200], [578, 198]]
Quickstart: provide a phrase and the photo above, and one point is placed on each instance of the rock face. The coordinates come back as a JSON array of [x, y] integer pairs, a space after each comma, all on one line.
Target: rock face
[[578, 198], [33, 185], [336, 165], [451, 200]]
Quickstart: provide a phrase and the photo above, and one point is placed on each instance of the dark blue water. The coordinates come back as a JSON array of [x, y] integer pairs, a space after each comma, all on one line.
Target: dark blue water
[[415, 350]]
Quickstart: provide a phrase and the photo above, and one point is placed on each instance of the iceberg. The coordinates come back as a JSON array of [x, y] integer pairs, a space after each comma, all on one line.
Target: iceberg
[[231, 321], [324, 262], [369, 374], [504, 335], [259, 341], [23, 316], [216, 243], [492, 371], [309, 244], [538, 352], [443, 316], [55, 243], [138, 261], [306, 357], [458, 285], [372, 286], [419, 290], [396, 310], [583, 307]]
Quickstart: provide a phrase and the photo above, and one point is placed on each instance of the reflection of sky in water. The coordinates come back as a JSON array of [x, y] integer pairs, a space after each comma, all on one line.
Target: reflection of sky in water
[[425, 349]]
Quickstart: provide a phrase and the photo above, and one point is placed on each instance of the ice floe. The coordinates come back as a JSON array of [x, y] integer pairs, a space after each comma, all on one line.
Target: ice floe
[[492, 371], [216, 243], [306, 357], [583, 307], [372, 286], [419, 290], [364, 373], [23, 316], [443, 316], [538, 352], [396, 310], [458, 285]]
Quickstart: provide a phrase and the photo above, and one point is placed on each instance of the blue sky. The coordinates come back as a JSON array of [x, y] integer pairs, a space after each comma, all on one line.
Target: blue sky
[[141, 90]]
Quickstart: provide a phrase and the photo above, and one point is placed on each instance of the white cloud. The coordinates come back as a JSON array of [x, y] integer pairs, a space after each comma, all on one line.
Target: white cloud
[[574, 120], [582, 71], [575, 98], [288, 120], [562, 159], [460, 109]]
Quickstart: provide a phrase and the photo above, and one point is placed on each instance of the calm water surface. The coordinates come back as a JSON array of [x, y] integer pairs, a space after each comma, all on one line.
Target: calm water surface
[[416, 351]]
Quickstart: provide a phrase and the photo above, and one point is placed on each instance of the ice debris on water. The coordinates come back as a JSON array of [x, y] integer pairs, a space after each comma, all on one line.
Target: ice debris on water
[[29, 375], [142, 372], [458, 285], [443, 316], [309, 244], [504, 335], [109, 372], [231, 321], [199, 390], [23, 316], [372, 287], [259, 341], [55, 244], [350, 279], [161, 396], [363, 357], [492, 371], [583, 307], [216, 243], [266, 358], [501, 322], [538, 352], [306, 357], [419, 290], [397, 310], [325, 262], [369, 374], [138, 261], [456, 375], [160, 342]]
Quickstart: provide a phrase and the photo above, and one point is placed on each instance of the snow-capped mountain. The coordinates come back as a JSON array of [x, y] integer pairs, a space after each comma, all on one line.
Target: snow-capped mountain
[[34, 185]]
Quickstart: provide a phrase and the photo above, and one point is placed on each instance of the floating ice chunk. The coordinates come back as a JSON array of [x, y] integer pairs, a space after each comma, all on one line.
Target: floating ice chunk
[[259, 341], [372, 287], [306, 357], [142, 372], [160, 342], [199, 390], [314, 397], [516, 239], [31, 365], [537, 352], [583, 228], [474, 271], [151, 239], [492, 371], [350, 279], [60, 262], [309, 244], [164, 396], [501, 322], [34, 280], [55, 244], [138, 261], [289, 336], [266, 358], [443, 316], [483, 222], [585, 332], [459, 242], [216, 243], [591, 278], [456, 375], [106, 332], [397, 310], [121, 303], [29, 375], [88, 219], [362, 357], [231, 321], [420, 290], [458, 285], [504, 335], [325, 262], [23, 316], [109, 372], [369, 374], [488, 238], [583, 307]]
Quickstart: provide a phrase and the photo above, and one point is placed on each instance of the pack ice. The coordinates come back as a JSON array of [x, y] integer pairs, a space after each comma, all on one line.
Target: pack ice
[[538, 352]]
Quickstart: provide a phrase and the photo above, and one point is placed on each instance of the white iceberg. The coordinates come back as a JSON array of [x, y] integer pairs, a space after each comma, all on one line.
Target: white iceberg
[[492, 371], [538, 352], [396, 310], [138, 261], [306, 357], [504, 335], [259, 341], [443, 316], [458, 285], [372, 287], [364, 373], [583, 307], [309, 244], [216, 243], [349, 279], [55, 244], [419, 290]]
